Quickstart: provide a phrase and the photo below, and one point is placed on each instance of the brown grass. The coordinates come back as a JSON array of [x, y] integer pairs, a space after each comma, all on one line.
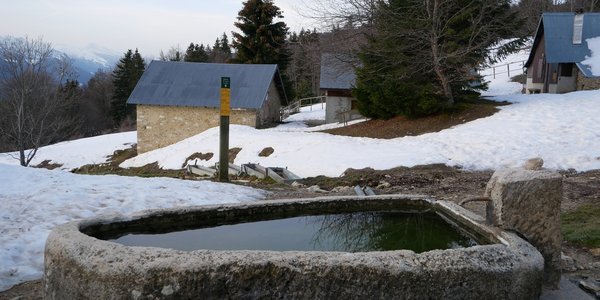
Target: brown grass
[[402, 126]]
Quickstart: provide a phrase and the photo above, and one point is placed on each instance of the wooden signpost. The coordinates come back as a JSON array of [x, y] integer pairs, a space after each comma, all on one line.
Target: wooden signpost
[[224, 129]]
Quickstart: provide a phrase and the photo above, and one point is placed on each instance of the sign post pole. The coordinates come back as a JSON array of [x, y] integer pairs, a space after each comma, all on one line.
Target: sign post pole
[[224, 129]]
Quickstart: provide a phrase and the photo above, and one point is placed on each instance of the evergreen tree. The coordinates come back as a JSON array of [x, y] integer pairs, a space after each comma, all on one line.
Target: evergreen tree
[[263, 38], [421, 56], [224, 44], [196, 53], [221, 51], [125, 76], [303, 70]]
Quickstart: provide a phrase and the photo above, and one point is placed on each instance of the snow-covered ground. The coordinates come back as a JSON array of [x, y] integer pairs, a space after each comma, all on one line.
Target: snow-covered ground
[[499, 84], [562, 129], [74, 154], [33, 201]]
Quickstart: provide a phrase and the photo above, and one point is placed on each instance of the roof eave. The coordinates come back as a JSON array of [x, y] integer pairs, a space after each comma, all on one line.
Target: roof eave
[[536, 41]]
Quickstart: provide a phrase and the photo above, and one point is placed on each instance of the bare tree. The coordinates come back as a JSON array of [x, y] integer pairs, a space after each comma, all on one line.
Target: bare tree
[[34, 111], [173, 54], [333, 14]]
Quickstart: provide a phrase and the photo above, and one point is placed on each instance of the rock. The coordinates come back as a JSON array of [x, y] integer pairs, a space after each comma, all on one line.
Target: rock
[[297, 184], [567, 262], [266, 152], [316, 189], [383, 184], [341, 189], [528, 202], [533, 164], [590, 286], [595, 252]]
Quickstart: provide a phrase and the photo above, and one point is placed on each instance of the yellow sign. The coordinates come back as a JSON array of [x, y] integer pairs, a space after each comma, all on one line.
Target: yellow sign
[[225, 102]]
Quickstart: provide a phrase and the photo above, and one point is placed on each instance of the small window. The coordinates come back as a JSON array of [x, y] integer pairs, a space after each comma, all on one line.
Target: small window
[[354, 104], [566, 70]]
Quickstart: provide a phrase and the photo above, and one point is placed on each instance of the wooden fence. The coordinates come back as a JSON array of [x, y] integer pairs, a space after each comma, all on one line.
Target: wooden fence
[[295, 106]]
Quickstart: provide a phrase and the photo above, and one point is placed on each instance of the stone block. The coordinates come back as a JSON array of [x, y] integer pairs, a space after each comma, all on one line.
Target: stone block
[[528, 202]]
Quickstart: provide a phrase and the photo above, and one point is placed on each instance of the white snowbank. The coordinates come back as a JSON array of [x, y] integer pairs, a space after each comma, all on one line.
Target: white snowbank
[[308, 113], [500, 84], [76, 153], [33, 201], [594, 60], [562, 129]]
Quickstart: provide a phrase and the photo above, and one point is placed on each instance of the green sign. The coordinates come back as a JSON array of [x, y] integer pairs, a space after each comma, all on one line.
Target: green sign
[[225, 82]]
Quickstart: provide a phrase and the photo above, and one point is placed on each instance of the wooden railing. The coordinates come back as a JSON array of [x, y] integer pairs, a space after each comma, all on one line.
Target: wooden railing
[[295, 106], [506, 69]]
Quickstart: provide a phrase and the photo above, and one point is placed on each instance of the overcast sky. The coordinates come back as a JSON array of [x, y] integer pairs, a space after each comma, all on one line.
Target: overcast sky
[[150, 25]]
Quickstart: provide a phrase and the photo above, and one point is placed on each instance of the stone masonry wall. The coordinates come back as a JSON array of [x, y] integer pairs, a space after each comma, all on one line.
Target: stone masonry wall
[[269, 113], [160, 126], [584, 83]]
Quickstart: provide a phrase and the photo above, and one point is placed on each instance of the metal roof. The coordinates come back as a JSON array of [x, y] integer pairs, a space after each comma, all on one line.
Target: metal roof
[[557, 30], [337, 72], [199, 84]]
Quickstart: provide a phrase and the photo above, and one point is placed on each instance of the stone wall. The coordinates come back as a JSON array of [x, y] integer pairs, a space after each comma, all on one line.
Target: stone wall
[[269, 113], [339, 109], [585, 83], [160, 126]]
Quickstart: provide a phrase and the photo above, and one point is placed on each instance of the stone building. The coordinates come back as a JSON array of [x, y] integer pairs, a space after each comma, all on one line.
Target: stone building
[[336, 82], [176, 100], [557, 61]]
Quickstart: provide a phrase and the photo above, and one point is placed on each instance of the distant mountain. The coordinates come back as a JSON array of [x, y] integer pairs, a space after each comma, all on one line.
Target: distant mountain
[[87, 60], [90, 59]]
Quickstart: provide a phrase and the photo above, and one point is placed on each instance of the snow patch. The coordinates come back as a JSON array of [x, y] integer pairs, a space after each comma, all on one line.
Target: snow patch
[[594, 60], [76, 153], [33, 201]]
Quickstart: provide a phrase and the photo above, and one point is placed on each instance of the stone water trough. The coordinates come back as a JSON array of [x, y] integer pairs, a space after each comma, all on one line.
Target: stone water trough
[[81, 266]]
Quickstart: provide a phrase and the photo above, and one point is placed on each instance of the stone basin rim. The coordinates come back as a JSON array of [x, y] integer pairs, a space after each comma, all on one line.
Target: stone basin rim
[[515, 260]]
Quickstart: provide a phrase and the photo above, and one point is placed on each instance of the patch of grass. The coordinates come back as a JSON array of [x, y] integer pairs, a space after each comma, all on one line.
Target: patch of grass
[[198, 155], [582, 226], [119, 156], [47, 165], [522, 78], [464, 111], [149, 170]]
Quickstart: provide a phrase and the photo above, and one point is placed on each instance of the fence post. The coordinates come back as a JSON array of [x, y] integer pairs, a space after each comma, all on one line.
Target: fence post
[[494, 70], [508, 70]]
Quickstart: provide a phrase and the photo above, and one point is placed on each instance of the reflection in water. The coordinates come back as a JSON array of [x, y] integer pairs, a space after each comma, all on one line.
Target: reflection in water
[[350, 232], [381, 231]]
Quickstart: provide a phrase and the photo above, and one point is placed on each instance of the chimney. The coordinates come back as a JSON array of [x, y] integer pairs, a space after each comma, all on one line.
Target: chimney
[[578, 27]]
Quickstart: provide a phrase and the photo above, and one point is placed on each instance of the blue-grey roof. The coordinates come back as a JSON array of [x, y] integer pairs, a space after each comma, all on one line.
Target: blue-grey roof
[[337, 72], [557, 29], [199, 84]]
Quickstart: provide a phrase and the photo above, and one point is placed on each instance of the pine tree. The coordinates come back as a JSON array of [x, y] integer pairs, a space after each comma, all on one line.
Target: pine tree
[[304, 65], [125, 76], [263, 38], [196, 53], [221, 51], [421, 56]]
